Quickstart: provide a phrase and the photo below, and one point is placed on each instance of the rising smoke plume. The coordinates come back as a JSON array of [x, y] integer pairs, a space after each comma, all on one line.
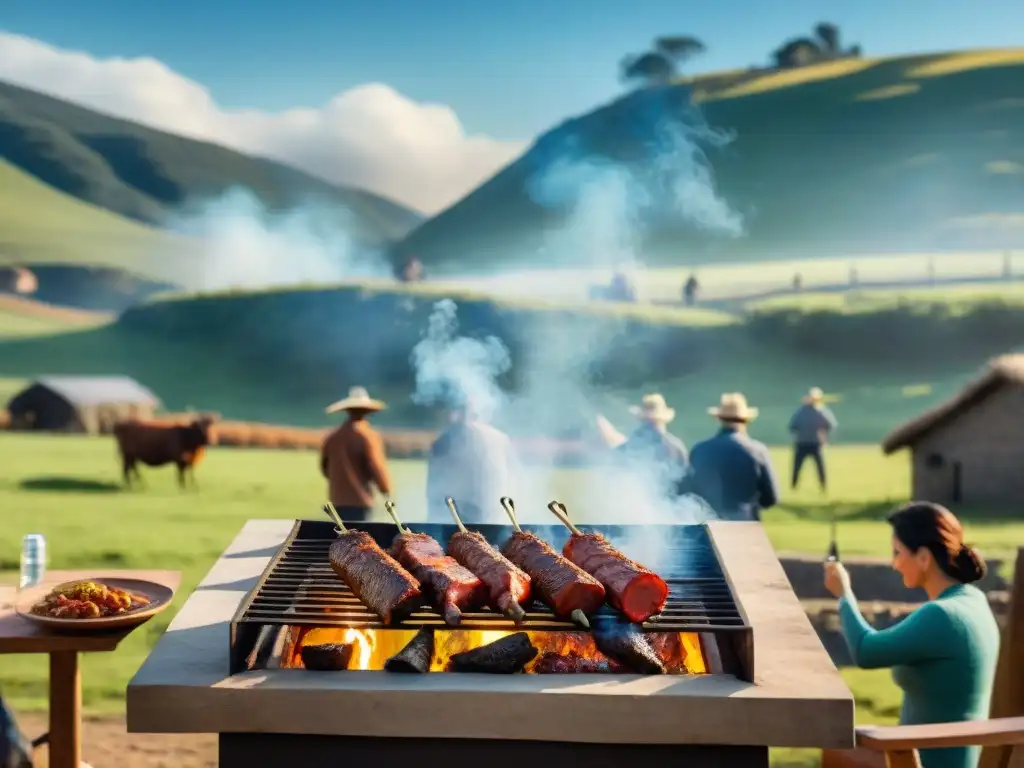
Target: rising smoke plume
[[607, 208], [452, 369], [241, 244]]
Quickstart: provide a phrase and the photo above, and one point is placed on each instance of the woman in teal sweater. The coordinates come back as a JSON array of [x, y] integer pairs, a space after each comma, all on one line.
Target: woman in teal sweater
[[943, 655]]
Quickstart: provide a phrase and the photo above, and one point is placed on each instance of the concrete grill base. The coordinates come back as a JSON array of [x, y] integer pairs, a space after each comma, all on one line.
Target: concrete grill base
[[797, 698], [269, 750]]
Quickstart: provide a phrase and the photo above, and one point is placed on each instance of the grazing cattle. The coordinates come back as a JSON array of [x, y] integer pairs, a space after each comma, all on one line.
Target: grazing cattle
[[158, 444]]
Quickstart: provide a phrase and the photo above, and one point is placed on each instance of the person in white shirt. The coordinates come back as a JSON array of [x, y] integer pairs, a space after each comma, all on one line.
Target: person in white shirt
[[474, 463]]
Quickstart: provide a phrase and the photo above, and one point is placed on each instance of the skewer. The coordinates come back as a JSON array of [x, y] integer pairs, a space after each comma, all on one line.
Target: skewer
[[514, 611], [510, 510], [333, 514], [559, 510], [455, 513], [389, 505]]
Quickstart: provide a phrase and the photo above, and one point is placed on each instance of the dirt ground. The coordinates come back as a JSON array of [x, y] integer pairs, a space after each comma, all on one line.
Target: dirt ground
[[105, 744]]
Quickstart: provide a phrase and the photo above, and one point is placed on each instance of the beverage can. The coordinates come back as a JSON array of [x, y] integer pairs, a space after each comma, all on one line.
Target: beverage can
[[33, 559]]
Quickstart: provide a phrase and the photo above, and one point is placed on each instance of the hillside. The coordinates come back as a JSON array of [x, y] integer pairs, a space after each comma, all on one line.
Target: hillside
[[41, 224], [292, 351], [144, 174], [882, 155]]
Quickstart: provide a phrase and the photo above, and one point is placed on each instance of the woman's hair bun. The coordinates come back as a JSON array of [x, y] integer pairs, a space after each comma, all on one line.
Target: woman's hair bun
[[970, 565]]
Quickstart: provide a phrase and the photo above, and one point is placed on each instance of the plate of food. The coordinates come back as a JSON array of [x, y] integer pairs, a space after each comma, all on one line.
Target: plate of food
[[97, 604]]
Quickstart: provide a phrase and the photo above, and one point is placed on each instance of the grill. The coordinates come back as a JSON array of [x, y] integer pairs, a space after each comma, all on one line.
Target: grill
[[299, 589]]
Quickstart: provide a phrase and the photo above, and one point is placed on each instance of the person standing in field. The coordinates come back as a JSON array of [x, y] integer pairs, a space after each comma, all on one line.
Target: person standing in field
[[811, 425], [474, 463], [731, 471], [352, 457], [651, 450]]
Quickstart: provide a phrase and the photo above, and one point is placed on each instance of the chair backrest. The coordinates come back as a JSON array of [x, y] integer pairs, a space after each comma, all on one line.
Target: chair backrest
[[1008, 694], [900, 744]]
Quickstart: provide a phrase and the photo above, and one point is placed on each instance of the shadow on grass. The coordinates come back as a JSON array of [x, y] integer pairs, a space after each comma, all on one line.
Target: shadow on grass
[[68, 485], [823, 513], [878, 511]]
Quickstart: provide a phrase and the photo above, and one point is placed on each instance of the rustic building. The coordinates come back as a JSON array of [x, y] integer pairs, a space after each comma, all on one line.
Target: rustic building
[[91, 404], [970, 449]]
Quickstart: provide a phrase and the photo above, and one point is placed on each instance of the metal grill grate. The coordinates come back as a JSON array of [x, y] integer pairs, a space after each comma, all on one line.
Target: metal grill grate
[[299, 587]]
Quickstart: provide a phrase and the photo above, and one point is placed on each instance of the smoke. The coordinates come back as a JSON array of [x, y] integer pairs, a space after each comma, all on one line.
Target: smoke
[[241, 244], [608, 208], [452, 370], [611, 206]]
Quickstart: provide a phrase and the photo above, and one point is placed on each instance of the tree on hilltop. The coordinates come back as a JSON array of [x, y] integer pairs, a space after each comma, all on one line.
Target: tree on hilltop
[[662, 63], [828, 38], [826, 45]]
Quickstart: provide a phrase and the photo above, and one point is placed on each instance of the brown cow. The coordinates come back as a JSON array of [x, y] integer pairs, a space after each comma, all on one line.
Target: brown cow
[[157, 444]]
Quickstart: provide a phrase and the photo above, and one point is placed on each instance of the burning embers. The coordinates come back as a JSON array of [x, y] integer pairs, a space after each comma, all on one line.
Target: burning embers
[[498, 599], [618, 649]]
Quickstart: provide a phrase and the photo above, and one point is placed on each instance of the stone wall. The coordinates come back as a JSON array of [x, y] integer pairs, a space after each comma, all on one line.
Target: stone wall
[[872, 578]]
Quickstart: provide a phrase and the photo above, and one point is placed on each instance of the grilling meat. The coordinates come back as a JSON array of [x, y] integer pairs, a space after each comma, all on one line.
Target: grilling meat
[[452, 588], [376, 578], [633, 589], [562, 585], [508, 587], [627, 645], [416, 656], [573, 663], [326, 657], [502, 657]]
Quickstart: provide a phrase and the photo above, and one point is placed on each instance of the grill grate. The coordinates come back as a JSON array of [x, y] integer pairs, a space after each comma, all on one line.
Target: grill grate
[[299, 588]]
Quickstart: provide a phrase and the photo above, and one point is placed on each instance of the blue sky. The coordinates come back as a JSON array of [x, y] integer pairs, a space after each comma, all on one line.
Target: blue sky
[[509, 69]]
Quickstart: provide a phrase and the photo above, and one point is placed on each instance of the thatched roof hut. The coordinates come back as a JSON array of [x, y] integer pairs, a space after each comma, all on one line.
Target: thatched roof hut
[[970, 449], [91, 404]]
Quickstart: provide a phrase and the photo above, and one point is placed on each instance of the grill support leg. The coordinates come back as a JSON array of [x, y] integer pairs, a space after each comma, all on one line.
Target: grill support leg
[[269, 750]]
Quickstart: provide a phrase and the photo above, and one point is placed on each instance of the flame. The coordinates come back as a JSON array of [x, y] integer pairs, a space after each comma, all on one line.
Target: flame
[[363, 642], [681, 652]]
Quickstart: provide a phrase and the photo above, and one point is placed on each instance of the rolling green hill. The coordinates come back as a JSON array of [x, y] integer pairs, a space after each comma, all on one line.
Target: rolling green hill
[[41, 224], [873, 155], [280, 355], [143, 174]]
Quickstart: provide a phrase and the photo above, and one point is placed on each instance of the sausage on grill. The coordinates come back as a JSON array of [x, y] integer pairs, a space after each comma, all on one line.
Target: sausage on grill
[[376, 578], [563, 586], [632, 588], [507, 585], [452, 588]]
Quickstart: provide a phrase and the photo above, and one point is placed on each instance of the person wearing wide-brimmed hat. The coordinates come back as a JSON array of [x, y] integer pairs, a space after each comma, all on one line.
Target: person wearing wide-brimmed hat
[[650, 448], [352, 457], [811, 425], [732, 471]]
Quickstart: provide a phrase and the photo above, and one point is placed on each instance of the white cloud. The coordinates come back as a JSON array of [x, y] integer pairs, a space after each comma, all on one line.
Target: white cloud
[[370, 136]]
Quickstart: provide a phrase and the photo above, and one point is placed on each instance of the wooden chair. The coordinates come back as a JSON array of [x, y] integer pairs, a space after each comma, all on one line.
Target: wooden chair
[[1001, 737], [900, 743]]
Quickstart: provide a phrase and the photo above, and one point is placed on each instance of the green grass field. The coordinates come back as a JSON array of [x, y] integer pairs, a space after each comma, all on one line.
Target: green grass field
[[67, 488]]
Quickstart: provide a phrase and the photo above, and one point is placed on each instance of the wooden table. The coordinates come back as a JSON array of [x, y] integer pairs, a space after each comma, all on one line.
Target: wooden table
[[18, 635]]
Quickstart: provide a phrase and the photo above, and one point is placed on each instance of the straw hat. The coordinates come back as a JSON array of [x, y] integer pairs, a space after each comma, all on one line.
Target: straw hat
[[814, 396], [653, 408], [733, 407], [358, 399]]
